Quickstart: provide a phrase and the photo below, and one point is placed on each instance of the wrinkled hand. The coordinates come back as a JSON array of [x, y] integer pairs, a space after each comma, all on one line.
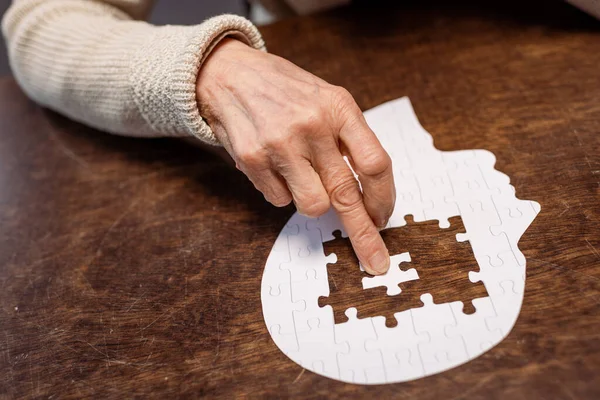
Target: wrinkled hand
[[288, 130]]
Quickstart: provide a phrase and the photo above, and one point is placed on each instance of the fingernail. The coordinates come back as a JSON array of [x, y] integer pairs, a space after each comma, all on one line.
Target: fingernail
[[380, 262]]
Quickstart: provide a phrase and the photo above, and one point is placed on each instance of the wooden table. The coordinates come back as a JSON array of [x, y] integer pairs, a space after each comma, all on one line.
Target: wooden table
[[132, 267]]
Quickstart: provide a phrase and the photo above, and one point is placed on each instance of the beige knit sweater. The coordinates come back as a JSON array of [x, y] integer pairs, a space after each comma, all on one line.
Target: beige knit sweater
[[97, 63]]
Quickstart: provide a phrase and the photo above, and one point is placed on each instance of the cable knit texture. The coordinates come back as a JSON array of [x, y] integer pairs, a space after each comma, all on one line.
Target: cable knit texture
[[94, 62]]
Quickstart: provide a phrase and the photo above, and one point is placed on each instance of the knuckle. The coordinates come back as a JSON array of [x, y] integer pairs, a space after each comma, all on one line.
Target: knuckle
[[363, 236], [313, 206], [309, 121], [343, 105], [278, 143], [252, 159], [345, 195], [280, 199], [374, 163], [341, 95], [318, 208]]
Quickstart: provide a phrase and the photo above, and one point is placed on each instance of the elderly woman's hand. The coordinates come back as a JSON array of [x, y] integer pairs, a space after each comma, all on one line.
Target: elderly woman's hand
[[288, 131]]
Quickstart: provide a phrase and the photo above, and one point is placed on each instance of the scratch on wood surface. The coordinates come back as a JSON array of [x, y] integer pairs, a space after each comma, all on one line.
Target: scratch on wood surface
[[567, 392], [88, 282], [334, 282], [161, 172], [112, 361], [112, 226], [153, 322], [94, 347], [148, 358], [106, 353], [218, 327], [299, 376], [567, 208], [50, 257], [8, 360], [578, 273], [232, 373], [135, 302], [480, 383], [33, 386], [66, 150], [557, 266], [593, 249]]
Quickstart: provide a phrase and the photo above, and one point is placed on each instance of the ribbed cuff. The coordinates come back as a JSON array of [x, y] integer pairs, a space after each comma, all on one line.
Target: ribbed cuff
[[165, 70]]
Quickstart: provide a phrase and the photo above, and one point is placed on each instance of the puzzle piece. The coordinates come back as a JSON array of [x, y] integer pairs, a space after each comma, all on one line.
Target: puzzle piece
[[393, 277], [495, 181], [501, 259], [505, 284], [382, 119], [310, 289], [286, 342], [326, 224], [284, 332], [494, 275], [473, 175], [473, 328], [399, 347], [283, 305], [467, 181], [479, 219], [357, 360], [305, 252], [506, 301], [436, 188], [408, 199], [510, 208], [440, 351], [310, 349]]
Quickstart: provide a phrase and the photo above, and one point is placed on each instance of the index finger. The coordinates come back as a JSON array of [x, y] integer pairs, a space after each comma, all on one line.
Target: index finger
[[373, 166], [346, 198]]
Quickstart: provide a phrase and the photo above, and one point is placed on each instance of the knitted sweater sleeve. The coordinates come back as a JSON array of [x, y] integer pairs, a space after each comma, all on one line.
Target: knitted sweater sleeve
[[97, 63]]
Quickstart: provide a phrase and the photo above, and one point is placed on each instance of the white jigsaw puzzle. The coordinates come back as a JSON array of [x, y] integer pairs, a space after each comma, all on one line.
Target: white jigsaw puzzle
[[431, 185]]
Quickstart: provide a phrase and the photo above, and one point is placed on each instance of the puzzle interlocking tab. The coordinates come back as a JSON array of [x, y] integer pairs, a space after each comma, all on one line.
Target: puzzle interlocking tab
[[456, 223]]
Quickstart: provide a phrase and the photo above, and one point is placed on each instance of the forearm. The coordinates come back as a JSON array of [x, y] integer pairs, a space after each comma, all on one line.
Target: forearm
[[94, 63]]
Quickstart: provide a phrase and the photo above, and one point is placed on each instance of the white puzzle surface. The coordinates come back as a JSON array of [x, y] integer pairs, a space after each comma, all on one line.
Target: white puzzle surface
[[431, 185]]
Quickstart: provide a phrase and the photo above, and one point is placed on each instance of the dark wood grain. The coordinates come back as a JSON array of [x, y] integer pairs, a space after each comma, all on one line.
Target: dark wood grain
[[131, 268]]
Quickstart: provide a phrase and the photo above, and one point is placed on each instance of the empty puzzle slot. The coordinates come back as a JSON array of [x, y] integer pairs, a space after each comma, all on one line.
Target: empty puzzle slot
[[441, 262]]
